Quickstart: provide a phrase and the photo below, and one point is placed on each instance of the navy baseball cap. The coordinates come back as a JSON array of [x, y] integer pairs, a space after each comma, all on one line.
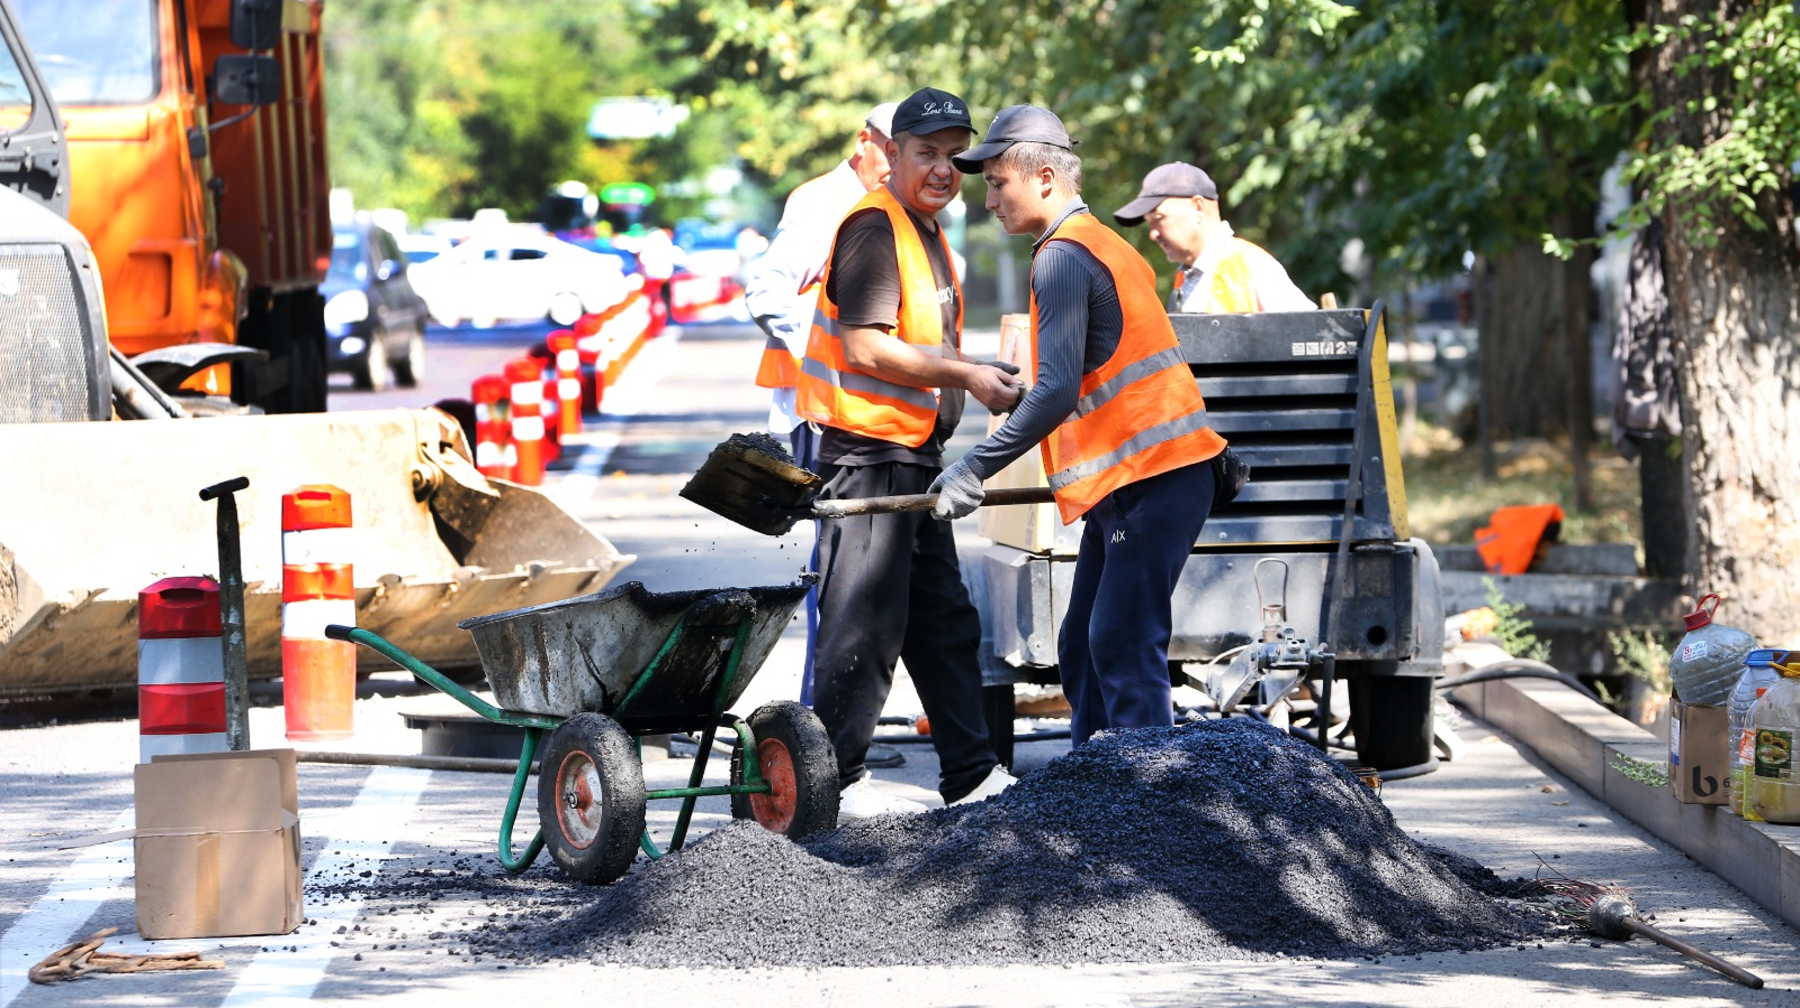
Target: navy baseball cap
[[928, 110], [1014, 124], [1177, 178]]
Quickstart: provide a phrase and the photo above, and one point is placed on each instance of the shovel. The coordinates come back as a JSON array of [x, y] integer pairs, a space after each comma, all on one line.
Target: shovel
[[752, 480]]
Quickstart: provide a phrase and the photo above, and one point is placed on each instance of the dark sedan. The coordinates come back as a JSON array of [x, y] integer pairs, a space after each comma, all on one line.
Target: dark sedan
[[374, 320]]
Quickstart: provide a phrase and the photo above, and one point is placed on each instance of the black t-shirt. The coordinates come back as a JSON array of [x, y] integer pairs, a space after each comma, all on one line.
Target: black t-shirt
[[864, 283]]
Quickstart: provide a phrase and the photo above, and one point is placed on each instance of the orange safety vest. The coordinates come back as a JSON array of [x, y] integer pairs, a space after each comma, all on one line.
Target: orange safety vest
[[778, 368], [1140, 414], [835, 394], [1231, 287]]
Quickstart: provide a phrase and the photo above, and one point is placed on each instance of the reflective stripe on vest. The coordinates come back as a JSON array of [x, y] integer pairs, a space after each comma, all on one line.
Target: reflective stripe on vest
[[1140, 413], [832, 392], [778, 369]]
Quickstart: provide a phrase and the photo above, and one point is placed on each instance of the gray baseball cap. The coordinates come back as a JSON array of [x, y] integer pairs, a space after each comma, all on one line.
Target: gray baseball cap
[[1177, 178], [881, 118], [1014, 124]]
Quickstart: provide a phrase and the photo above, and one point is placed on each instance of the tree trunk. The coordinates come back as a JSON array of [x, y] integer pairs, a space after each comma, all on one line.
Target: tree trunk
[[1536, 359], [1733, 304]]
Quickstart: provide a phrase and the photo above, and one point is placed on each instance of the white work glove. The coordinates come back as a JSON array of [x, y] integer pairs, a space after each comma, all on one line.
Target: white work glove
[[959, 492]]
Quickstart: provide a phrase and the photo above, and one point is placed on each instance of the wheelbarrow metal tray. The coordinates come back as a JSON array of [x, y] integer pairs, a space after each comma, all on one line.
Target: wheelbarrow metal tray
[[589, 653]]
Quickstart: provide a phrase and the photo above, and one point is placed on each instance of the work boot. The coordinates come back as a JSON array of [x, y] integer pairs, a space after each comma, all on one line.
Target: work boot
[[862, 801], [884, 757], [997, 780]]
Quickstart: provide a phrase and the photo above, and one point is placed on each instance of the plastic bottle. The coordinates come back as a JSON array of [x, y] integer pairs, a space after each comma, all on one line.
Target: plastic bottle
[[1775, 722], [1758, 675], [1709, 659]]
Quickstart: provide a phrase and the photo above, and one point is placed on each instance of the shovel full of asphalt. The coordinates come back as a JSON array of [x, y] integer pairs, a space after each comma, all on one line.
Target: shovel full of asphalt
[[1220, 840]]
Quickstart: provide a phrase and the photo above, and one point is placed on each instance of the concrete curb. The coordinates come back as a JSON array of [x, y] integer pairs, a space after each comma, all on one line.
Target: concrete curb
[[1596, 748]]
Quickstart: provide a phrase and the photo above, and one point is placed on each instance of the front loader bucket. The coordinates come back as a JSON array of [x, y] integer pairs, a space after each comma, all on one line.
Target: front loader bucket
[[94, 512]]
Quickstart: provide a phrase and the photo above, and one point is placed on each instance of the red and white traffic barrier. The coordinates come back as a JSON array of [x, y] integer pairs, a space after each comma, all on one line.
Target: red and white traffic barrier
[[568, 381], [181, 669], [526, 377], [318, 675], [494, 452]]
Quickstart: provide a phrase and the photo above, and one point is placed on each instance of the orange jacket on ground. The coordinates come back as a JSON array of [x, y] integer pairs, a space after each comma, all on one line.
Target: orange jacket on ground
[[1140, 414], [832, 392]]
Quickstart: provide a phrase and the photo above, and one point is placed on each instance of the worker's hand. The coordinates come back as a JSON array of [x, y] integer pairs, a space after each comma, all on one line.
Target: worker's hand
[[959, 491], [994, 388]]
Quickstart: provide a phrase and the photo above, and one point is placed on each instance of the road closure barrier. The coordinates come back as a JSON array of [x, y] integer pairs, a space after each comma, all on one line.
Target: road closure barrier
[[494, 452], [568, 381], [525, 378], [318, 675], [181, 669]]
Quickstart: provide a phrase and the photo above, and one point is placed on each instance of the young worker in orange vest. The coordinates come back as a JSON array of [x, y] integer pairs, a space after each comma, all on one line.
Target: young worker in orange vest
[[1220, 272], [884, 342], [1120, 419]]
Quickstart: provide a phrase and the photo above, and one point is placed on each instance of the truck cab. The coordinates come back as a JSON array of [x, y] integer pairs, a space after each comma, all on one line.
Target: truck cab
[[206, 210]]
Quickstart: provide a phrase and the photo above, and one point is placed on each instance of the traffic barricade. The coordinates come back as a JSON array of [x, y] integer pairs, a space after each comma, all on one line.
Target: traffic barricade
[[494, 452], [181, 669], [525, 376], [318, 675]]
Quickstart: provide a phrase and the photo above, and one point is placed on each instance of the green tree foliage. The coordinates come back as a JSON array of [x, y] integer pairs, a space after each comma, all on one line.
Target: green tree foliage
[[446, 106]]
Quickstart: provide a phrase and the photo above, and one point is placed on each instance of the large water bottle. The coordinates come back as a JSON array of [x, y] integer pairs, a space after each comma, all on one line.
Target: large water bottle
[[1758, 675], [1709, 659]]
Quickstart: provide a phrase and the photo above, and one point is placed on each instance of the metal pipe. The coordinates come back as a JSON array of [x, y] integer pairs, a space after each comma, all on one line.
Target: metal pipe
[[460, 764], [231, 614]]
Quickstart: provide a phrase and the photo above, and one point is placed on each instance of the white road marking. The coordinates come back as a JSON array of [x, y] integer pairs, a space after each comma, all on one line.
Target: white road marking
[[293, 965], [632, 395], [100, 874]]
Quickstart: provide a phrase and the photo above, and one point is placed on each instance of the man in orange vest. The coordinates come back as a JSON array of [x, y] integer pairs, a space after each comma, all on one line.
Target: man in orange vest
[[1119, 417], [1219, 272], [884, 377], [780, 286], [781, 291]]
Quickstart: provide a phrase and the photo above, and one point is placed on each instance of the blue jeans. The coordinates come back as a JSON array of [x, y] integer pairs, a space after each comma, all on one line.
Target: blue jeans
[[1114, 644]]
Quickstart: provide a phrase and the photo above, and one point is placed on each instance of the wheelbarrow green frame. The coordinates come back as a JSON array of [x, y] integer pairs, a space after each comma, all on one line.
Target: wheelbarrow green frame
[[535, 725]]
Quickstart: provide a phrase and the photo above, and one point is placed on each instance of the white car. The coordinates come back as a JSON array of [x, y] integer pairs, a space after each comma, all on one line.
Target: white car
[[519, 275]]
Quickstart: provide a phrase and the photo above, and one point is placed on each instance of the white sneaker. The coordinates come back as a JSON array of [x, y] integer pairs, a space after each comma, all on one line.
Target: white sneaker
[[862, 801], [997, 780]]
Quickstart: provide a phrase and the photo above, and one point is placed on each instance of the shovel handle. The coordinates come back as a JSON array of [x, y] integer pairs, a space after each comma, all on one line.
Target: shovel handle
[[1738, 973], [921, 502]]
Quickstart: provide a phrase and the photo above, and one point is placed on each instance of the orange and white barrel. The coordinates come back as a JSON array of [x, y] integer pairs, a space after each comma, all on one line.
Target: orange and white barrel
[[568, 381], [318, 675], [494, 452], [181, 669], [526, 378]]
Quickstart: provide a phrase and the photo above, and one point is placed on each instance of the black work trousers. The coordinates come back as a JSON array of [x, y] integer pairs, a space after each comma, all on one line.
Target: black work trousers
[[890, 589]]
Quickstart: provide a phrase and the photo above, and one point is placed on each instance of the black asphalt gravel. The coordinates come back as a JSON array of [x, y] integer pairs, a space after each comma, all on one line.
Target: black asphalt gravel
[[1225, 839]]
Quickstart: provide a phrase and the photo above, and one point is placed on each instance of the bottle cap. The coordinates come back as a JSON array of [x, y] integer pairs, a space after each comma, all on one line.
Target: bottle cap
[[1701, 616], [1766, 656]]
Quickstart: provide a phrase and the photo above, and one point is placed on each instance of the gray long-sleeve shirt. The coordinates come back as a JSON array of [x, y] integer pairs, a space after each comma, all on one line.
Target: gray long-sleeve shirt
[[1079, 325]]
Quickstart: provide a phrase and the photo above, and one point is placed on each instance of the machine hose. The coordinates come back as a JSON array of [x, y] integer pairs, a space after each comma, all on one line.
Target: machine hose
[[1520, 668]]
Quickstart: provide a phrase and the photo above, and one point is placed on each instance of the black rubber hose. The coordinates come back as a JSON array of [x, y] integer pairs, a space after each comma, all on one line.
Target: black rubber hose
[[1520, 668]]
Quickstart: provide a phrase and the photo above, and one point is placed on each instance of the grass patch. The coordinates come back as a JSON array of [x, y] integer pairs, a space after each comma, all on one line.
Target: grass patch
[[1448, 499]]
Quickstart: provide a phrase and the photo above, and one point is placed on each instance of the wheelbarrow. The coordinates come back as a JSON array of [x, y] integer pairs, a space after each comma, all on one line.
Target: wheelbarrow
[[597, 674]]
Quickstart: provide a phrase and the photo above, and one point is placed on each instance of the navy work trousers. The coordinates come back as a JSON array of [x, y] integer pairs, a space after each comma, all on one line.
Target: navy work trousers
[[890, 590], [1114, 643]]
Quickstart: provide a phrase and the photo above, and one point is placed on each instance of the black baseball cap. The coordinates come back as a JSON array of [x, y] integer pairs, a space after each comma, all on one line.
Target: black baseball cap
[[1177, 178], [928, 110], [1014, 124]]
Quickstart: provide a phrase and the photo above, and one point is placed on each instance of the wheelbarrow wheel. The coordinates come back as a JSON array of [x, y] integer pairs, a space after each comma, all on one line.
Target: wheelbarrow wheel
[[797, 760], [591, 798]]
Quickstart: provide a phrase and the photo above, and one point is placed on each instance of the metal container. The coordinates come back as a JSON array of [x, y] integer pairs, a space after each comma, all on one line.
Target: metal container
[[642, 657]]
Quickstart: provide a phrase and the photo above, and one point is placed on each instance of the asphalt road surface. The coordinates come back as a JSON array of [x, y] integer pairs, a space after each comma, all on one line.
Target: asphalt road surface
[[364, 826]]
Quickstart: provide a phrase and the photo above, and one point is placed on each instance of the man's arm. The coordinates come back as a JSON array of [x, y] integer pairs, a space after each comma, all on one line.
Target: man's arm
[[874, 350], [772, 287]]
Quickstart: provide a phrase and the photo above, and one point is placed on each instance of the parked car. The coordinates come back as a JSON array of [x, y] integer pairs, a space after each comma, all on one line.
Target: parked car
[[374, 320], [519, 274]]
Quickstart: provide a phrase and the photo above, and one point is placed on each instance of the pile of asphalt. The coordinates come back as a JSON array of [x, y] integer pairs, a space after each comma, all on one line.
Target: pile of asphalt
[[1222, 840]]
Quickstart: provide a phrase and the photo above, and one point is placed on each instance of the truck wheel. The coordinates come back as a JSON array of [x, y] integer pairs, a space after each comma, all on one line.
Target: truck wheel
[[797, 760], [591, 798], [374, 373], [409, 370]]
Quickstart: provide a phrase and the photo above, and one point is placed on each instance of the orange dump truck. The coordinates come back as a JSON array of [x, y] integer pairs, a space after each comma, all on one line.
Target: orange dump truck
[[196, 143]]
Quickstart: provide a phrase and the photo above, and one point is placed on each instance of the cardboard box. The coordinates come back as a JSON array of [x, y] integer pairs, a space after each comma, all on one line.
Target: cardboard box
[[218, 845], [1031, 527], [1699, 756]]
